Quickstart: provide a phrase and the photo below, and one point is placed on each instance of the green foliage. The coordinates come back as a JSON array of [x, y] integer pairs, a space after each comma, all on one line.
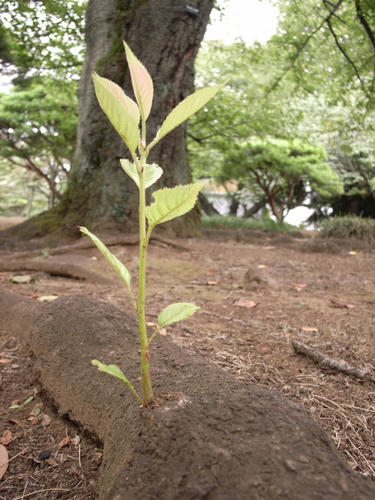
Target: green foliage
[[232, 222], [18, 188], [121, 111], [124, 114], [285, 171], [151, 172], [245, 108], [37, 130], [22, 405], [175, 313], [43, 36], [303, 84], [41, 48], [116, 264], [115, 371], [326, 44], [172, 202], [142, 83], [348, 227], [185, 109]]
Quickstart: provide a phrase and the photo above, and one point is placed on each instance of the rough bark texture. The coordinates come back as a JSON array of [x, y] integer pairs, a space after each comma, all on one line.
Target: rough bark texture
[[166, 39], [210, 438]]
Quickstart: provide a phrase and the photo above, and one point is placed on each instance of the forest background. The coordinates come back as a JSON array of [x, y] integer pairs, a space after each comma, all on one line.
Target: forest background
[[293, 127]]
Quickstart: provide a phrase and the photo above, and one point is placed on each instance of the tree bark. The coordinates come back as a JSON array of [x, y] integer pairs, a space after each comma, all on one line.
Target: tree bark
[[166, 38]]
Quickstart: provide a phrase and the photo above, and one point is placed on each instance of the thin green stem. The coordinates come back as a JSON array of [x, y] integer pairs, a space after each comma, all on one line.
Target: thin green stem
[[157, 330], [131, 387], [132, 299], [143, 241], [143, 135]]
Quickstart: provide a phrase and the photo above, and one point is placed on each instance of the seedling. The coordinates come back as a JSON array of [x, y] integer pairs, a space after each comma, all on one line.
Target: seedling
[[129, 119], [22, 405]]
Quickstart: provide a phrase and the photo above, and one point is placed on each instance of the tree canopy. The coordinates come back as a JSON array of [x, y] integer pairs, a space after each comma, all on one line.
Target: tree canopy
[[285, 172], [312, 84], [42, 37], [37, 130]]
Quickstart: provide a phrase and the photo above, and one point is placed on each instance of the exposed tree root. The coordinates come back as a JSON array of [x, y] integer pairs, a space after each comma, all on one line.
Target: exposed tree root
[[86, 243], [55, 269], [205, 436], [327, 362]]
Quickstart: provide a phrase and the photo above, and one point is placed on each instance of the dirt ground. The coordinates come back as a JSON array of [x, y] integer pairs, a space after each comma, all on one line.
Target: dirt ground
[[257, 292]]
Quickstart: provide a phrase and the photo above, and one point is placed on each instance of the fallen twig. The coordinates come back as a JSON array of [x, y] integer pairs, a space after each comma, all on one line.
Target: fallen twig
[[227, 318], [327, 362], [41, 491]]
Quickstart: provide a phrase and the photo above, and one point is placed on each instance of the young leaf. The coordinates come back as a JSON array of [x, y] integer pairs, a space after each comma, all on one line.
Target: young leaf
[[142, 83], [117, 265], [115, 371], [151, 173], [172, 202], [185, 109], [176, 312], [121, 111]]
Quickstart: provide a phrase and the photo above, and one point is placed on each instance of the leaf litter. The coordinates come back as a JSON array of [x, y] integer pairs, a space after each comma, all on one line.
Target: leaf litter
[[254, 346]]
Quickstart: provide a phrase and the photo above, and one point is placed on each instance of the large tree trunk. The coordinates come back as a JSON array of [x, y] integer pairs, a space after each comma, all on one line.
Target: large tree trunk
[[166, 38]]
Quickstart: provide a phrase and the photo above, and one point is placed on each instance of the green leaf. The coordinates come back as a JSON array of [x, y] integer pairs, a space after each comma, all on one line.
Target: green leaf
[[176, 312], [117, 265], [172, 202], [26, 402], [121, 111], [185, 109], [115, 371], [142, 83], [151, 173]]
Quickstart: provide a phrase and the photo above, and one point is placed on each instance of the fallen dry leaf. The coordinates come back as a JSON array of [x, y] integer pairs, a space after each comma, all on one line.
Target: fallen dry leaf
[[21, 279], [5, 361], [163, 331], [64, 442], [151, 324], [47, 298], [298, 286], [344, 305], [211, 283], [33, 420], [245, 303], [3, 460], [15, 421], [51, 461], [265, 349], [310, 329], [6, 438], [45, 420], [261, 266], [76, 440]]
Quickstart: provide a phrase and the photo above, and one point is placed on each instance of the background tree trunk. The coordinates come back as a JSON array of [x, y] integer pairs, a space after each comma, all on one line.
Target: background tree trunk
[[166, 38]]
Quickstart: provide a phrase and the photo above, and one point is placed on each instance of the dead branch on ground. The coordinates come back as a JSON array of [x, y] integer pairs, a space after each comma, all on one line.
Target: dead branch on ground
[[327, 362]]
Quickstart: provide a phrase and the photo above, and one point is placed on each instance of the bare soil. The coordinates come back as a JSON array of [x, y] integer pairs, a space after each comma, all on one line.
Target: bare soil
[[257, 292]]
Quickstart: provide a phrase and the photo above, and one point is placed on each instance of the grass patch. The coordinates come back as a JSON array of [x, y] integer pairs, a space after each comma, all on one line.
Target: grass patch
[[232, 222], [348, 227]]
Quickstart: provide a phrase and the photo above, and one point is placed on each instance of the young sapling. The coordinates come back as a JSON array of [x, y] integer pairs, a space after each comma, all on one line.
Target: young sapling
[[129, 119]]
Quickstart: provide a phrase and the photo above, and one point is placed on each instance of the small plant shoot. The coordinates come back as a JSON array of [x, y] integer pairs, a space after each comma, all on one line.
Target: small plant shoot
[[129, 119]]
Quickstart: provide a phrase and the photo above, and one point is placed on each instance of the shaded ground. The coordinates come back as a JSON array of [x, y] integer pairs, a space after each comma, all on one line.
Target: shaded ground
[[256, 296]]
